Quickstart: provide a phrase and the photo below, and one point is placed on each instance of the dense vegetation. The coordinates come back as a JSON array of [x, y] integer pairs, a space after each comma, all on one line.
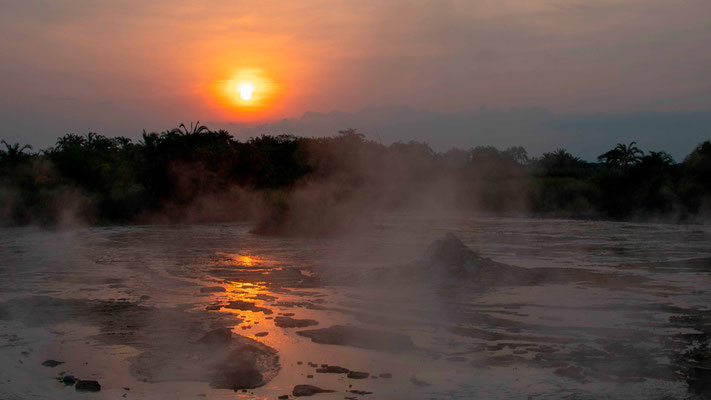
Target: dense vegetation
[[287, 182]]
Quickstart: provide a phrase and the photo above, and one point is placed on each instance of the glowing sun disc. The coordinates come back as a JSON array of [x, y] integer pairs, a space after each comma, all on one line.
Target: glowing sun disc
[[245, 90]]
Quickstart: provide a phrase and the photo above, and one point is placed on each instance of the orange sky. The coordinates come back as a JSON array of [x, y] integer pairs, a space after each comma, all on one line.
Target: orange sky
[[88, 65]]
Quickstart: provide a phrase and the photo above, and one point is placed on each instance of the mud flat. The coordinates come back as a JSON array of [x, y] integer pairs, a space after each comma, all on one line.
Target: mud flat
[[180, 351], [502, 308]]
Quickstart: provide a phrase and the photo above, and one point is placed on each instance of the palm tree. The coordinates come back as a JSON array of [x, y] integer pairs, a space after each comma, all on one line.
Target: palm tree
[[194, 130], [622, 156], [13, 152]]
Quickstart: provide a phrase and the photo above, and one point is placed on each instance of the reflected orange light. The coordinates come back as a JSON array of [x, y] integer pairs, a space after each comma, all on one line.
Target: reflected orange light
[[246, 260]]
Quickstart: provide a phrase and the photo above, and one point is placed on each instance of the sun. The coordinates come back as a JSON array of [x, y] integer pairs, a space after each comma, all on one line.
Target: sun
[[248, 91], [245, 90]]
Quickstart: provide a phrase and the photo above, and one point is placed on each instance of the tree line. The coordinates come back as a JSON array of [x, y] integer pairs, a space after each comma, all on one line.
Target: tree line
[[116, 180]]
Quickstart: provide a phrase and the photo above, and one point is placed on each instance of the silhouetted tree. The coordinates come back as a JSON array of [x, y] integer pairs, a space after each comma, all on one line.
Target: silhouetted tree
[[622, 156]]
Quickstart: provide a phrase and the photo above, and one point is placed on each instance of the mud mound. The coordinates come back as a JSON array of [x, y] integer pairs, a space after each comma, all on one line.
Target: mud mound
[[447, 258]]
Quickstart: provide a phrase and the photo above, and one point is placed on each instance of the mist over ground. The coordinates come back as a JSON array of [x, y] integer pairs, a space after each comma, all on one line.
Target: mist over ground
[[323, 185]]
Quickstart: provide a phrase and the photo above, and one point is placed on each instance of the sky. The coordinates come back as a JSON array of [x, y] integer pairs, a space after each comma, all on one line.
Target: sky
[[540, 73]]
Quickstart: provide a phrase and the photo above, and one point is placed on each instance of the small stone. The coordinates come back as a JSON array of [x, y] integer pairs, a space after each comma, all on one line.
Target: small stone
[[332, 369], [87, 386], [68, 380], [52, 363], [358, 375], [308, 390], [261, 334]]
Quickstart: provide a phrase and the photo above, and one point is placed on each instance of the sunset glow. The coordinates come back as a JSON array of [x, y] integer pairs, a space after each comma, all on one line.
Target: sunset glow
[[246, 93]]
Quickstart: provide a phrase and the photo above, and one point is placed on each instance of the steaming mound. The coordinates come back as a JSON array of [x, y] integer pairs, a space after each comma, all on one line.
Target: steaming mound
[[448, 258]]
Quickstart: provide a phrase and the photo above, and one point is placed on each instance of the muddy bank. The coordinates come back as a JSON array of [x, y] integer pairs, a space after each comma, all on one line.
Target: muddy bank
[[175, 345]]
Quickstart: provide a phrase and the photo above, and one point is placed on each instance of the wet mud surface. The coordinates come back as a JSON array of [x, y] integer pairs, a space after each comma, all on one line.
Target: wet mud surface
[[501, 308]]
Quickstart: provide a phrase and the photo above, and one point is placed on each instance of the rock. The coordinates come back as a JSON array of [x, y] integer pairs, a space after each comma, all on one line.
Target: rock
[[284, 396], [358, 375], [247, 306], [217, 337], [87, 386], [332, 369], [386, 375], [288, 322], [68, 380], [359, 337], [261, 334], [212, 289], [52, 363], [360, 392], [308, 390]]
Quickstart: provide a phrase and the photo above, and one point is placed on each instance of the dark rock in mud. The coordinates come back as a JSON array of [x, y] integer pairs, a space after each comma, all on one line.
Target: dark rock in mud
[[283, 397], [52, 363], [360, 337], [308, 390], [360, 392], [247, 306], [358, 375], [288, 322], [212, 289], [332, 369], [68, 380], [261, 334], [87, 386]]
